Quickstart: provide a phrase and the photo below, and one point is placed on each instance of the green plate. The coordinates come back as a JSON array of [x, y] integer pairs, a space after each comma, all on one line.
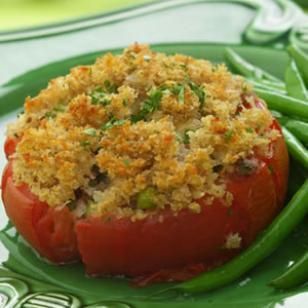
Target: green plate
[[28, 281]]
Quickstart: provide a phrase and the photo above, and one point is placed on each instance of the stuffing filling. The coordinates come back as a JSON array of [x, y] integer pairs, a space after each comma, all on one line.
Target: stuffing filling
[[138, 132]]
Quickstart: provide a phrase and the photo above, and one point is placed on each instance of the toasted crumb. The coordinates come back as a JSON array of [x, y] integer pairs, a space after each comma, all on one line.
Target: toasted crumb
[[233, 241], [108, 131]]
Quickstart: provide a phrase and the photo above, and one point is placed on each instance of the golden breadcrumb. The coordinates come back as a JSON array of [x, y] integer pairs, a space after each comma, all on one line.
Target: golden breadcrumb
[[171, 126]]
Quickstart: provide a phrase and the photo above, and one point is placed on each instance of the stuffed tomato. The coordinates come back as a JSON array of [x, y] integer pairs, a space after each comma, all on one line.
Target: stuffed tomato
[[144, 165]]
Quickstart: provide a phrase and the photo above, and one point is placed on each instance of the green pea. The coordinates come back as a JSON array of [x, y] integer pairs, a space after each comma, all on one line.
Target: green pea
[[146, 199]]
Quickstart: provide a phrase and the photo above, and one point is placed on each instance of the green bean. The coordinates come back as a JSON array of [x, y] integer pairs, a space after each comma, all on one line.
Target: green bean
[[284, 104], [296, 275], [296, 149], [264, 245], [297, 175], [301, 60], [275, 85], [247, 69], [294, 82], [266, 87], [277, 114], [299, 129]]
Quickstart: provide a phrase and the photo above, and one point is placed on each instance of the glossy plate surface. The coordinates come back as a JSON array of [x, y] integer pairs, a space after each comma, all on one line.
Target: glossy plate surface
[[26, 279]]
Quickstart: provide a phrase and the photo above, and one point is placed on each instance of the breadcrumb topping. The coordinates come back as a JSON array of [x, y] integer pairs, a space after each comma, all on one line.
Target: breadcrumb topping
[[233, 241], [137, 132]]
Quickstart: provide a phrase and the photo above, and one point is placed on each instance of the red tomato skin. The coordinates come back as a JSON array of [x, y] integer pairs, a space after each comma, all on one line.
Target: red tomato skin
[[10, 146], [50, 231], [120, 246], [278, 164]]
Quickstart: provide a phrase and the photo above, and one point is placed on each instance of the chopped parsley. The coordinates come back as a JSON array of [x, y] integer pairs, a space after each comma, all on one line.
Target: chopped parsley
[[149, 105], [90, 131], [126, 162], [178, 137], [179, 91], [153, 101], [100, 97], [59, 108], [183, 138], [110, 87], [249, 130], [51, 114], [113, 122], [186, 138], [199, 92], [183, 66], [85, 143], [228, 135]]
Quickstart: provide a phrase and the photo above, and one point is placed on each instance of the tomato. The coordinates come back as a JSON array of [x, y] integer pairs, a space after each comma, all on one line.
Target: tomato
[[10, 146], [120, 246], [50, 231], [163, 246], [278, 164]]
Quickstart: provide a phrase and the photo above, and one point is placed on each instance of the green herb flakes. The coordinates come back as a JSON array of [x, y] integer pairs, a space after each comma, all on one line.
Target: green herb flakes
[[51, 114], [85, 143], [179, 91], [99, 97], [90, 131], [249, 130], [186, 138], [228, 135], [59, 108], [183, 138], [199, 92], [178, 137], [126, 162], [149, 105], [113, 122], [110, 87]]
